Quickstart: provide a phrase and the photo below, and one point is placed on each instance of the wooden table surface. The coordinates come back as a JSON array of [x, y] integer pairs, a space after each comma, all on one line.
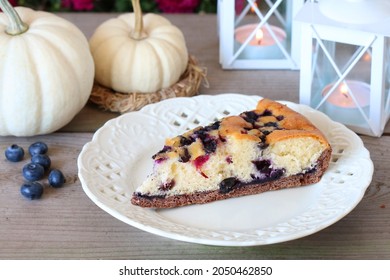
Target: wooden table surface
[[66, 224]]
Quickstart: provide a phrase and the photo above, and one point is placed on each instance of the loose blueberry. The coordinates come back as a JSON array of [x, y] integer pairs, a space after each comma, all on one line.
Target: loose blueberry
[[42, 159], [14, 153], [56, 178], [33, 172], [33, 190], [38, 148]]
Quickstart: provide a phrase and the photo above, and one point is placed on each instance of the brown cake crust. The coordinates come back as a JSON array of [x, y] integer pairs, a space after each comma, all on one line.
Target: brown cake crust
[[206, 197]]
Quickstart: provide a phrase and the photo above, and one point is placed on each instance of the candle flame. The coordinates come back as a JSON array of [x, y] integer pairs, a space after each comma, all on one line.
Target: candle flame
[[253, 7], [259, 36], [367, 56], [344, 90]]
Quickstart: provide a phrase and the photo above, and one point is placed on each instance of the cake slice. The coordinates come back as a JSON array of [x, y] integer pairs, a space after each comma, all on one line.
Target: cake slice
[[269, 148]]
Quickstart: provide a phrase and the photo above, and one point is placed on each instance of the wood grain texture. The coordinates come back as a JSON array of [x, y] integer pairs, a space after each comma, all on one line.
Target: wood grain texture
[[66, 224]]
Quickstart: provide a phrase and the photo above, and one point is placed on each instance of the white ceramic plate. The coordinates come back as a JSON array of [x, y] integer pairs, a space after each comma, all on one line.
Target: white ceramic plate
[[118, 159]]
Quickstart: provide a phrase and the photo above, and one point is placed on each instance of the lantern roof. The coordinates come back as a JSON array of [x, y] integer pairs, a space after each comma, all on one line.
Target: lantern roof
[[311, 13]]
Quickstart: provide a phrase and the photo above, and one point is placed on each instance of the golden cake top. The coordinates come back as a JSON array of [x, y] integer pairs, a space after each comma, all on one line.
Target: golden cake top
[[268, 123], [293, 124]]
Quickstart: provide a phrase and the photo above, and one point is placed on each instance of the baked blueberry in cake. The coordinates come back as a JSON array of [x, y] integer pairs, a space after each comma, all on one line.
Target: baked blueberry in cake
[[269, 148]]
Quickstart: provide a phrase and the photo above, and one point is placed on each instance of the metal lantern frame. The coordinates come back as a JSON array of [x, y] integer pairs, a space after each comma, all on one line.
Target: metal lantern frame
[[321, 33], [228, 21]]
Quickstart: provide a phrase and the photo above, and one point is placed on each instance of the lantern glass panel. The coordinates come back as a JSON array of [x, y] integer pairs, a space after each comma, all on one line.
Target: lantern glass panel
[[262, 29], [341, 81]]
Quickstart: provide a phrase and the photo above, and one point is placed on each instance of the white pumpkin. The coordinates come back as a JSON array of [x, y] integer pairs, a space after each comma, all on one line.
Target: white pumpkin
[[135, 53], [46, 71]]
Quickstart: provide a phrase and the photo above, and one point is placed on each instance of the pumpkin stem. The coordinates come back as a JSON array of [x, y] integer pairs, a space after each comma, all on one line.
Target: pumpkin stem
[[139, 24], [16, 25]]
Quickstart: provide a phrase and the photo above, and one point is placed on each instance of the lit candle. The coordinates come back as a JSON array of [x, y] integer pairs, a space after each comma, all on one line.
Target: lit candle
[[341, 107], [253, 8], [262, 45], [259, 36]]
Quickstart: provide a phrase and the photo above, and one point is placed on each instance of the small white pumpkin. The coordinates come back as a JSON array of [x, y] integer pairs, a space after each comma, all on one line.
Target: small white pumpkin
[[135, 53], [46, 71]]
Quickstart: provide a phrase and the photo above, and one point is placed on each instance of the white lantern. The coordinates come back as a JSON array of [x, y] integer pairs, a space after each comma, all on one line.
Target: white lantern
[[345, 67], [258, 34]]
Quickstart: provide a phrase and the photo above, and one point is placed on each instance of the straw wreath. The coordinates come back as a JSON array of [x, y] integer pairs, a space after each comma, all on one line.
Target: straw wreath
[[188, 85]]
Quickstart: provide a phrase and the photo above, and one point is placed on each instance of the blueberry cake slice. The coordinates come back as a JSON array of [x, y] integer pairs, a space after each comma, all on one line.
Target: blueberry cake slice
[[269, 148]]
